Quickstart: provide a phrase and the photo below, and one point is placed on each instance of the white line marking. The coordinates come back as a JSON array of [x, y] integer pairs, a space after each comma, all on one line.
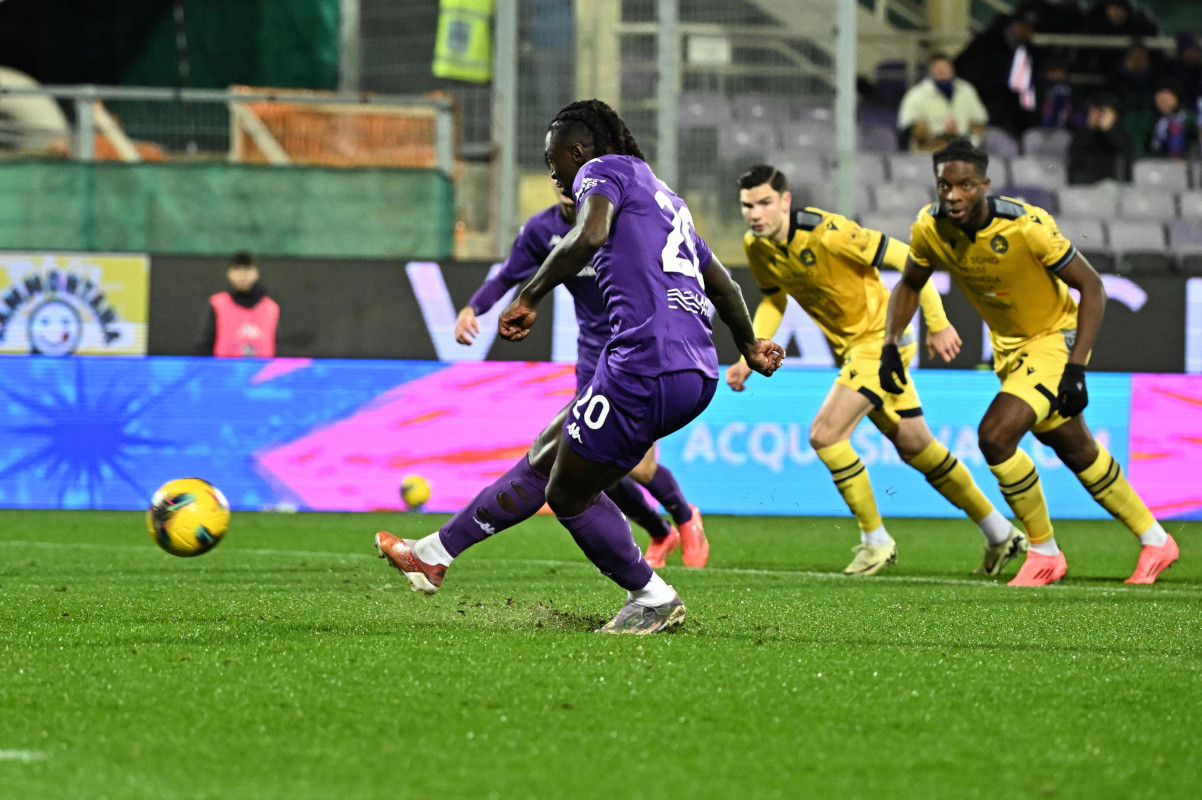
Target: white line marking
[[1189, 590], [25, 756]]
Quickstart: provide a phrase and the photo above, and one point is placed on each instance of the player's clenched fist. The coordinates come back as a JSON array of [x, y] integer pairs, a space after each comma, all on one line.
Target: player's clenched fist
[[516, 320], [766, 357]]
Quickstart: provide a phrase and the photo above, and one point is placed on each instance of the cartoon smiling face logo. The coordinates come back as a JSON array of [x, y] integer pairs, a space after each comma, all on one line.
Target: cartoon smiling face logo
[[54, 329]]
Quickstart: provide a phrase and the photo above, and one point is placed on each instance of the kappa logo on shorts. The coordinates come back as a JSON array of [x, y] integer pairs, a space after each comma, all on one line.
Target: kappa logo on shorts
[[1030, 370], [574, 431], [999, 245], [852, 374]]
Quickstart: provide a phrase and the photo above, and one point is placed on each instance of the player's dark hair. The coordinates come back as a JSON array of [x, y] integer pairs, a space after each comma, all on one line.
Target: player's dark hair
[[608, 131], [962, 149], [761, 174], [939, 55], [242, 259]]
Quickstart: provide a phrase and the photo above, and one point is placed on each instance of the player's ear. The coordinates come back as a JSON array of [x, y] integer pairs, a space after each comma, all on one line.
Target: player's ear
[[786, 200]]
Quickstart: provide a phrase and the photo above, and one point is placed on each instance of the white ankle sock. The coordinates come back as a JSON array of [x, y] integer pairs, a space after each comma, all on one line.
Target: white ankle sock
[[877, 538], [655, 593], [995, 527], [431, 551], [1155, 536], [1048, 548]]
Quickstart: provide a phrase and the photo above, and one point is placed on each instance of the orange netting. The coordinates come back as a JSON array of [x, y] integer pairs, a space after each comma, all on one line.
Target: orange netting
[[339, 135]]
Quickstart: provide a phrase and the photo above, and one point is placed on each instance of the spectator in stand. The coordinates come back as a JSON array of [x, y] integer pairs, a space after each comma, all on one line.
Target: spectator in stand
[[1055, 95], [1059, 16], [1187, 68], [998, 64], [241, 320], [1102, 149], [1114, 18], [1174, 131], [1135, 79], [940, 108]]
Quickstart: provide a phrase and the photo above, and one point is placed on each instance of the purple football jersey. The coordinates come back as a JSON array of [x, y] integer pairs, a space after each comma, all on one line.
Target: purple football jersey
[[649, 271], [533, 244]]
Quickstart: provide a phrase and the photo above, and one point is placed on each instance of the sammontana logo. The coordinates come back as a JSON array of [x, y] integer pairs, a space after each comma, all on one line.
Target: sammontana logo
[[59, 302]]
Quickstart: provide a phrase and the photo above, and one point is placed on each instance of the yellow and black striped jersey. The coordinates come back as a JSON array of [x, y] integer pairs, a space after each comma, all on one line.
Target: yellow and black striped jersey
[[1007, 270], [829, 266]]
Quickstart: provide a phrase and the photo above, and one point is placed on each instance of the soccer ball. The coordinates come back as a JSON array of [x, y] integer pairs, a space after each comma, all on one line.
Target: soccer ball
[[415, 491], [188, 516]]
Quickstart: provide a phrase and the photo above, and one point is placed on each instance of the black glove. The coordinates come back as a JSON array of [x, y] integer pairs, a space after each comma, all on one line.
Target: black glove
[[1071, 397], [891, 364]]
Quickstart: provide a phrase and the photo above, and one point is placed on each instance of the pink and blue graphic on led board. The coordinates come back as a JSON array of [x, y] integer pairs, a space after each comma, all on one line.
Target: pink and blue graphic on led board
[[749, 452], [1166, 443]]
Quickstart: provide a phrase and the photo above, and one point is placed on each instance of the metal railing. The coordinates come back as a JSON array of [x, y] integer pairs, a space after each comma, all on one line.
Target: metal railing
[[136, 123]]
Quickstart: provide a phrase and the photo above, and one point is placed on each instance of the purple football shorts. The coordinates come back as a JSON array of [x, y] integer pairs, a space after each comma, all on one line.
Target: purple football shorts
[[618, 416]]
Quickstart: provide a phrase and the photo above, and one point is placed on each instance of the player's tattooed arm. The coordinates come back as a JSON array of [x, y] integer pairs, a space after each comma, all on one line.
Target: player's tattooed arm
[[762, 355], [573, 253]]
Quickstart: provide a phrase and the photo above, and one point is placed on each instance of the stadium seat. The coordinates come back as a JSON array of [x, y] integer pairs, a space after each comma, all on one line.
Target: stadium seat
[[808, 138], [756, 106], [1162, 173], [1099, 200], [1145, 203], [1037, 171], [874, 114], [745, 141], [1196, 174], [799, 167], [1033, 195], [877, 139], [999, 144], [702, 109], [1185, 242], [1190, 204], [892, 80], [870, 169], [1089, 236], [1047, 142], [1140, 247], [916, 167], [895, 225], [901, 199]]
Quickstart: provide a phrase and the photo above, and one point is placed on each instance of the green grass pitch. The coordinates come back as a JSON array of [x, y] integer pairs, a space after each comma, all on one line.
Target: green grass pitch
[[291, 663]]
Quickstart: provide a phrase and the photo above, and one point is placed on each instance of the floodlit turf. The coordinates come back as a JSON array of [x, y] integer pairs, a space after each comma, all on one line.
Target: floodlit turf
[[291, 663]]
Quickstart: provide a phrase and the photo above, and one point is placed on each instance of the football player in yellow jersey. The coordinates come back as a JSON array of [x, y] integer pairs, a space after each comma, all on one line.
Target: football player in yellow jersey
[[1015, 267], [828, 264]]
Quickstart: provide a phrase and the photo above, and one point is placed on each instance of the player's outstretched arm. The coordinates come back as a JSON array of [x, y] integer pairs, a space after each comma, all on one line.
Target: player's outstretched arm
[[902, 304], [572, 254], [762, 355]]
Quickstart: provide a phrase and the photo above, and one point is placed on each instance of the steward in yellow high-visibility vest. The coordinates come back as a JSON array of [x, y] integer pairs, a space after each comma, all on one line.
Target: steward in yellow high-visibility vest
[[463, 46]]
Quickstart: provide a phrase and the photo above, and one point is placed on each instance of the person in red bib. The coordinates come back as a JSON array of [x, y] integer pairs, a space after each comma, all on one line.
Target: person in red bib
[[241, 321]]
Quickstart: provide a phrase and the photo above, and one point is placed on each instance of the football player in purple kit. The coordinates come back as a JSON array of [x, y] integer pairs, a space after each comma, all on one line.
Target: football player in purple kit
[[657, 372], [533, 244]]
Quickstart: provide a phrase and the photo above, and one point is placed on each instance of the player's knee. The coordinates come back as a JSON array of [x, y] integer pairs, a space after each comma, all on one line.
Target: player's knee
[[644, 472], [822, 435], [996, 444], [564, 500]]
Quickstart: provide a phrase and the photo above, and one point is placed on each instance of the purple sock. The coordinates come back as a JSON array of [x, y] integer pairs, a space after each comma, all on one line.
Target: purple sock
[[515, 496], [629, 498], [605, 538], [666, 490]]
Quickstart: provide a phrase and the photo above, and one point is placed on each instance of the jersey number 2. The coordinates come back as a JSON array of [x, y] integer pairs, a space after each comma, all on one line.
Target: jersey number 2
[[679, 253]]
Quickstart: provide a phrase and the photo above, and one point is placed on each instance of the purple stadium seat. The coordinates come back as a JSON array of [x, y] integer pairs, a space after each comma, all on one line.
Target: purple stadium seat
[[877, 139], [895, 225], [761, 107], [1033, 195], [1099, 200], [901, 199], [916, 167], [1190, 205], [746, 141], [1140, 247]]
